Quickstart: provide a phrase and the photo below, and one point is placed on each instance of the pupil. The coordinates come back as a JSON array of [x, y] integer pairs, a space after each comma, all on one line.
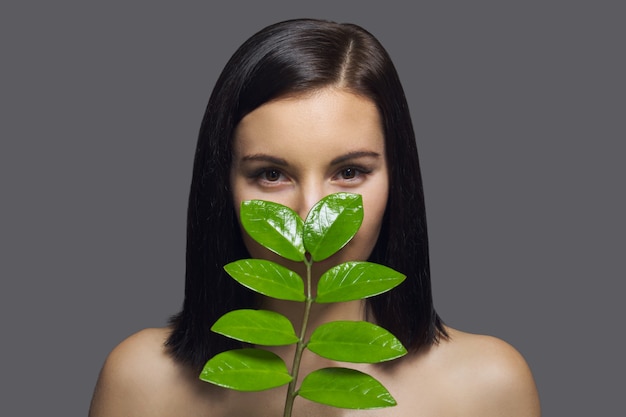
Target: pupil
[[272, 175], [348, 173]]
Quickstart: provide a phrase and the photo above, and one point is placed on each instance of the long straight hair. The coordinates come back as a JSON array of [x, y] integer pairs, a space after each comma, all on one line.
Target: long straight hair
[[291, 58]]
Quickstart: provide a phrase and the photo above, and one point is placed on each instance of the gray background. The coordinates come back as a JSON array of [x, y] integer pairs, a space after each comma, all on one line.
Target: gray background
[[519, 109]]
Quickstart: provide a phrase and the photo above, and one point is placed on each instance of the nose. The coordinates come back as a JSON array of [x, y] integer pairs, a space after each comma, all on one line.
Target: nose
[[309, 194]]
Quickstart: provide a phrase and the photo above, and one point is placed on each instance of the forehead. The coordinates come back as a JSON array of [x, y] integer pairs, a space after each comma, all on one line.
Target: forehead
[[324, 118]]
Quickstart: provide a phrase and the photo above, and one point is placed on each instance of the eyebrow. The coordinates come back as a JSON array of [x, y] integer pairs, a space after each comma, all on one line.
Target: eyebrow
[[354, 155], [265, 158], [282, 162]]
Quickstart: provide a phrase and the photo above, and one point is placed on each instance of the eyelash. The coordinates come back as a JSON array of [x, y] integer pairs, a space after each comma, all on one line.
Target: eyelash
[[358, 171], [260, 174]]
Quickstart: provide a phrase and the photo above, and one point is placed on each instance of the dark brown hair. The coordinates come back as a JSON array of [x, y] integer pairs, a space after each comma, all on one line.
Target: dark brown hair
[[289, 58]]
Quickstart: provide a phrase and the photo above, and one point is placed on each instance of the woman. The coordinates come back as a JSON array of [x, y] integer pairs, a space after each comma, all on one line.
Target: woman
[[305, 108]]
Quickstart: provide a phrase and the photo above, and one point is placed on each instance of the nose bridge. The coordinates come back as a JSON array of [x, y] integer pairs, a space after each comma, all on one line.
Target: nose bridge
[[311, 191]]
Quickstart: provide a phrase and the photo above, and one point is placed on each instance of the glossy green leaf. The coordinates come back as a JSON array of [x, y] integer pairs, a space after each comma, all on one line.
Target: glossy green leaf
[[260, 327], [356, 280], [355, 341], [267, 278], [345, 388], [246, 370], [331, 223], [274, 226]]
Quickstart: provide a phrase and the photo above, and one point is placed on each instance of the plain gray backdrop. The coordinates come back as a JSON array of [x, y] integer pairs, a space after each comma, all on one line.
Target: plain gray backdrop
[[519, 110]]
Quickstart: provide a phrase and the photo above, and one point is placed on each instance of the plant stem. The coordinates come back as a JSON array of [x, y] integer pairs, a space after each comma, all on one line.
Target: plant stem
[[301, 345]]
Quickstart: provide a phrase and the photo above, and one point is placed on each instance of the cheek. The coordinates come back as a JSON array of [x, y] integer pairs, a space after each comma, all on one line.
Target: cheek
[[361, 246], [237, 191], [372, 222], [375, 204], [237, 200]]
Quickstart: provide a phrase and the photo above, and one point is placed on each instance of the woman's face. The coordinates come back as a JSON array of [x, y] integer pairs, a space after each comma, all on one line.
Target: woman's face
[[296, 150]]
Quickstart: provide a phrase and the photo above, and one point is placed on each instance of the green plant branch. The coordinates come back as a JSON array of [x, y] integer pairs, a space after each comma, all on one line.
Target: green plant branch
[[330, 224], [301, 345]]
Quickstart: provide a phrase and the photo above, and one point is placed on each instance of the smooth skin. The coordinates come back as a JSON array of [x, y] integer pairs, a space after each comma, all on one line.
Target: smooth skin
[[294, 151]]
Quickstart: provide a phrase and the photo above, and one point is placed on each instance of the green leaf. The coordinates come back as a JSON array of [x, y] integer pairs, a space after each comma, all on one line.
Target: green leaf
[[246, 370], [276, 227], [345, 388], [267, 278], [356, 280], [331, 223], [260, 327], [355, 341]]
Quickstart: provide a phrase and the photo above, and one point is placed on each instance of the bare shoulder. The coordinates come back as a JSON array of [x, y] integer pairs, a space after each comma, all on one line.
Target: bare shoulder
[[489, 376], [140, 378], [142, 351]]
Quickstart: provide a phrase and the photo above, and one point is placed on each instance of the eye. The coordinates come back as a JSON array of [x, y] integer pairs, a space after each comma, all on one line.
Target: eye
[[271, 175], [349, 173]]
